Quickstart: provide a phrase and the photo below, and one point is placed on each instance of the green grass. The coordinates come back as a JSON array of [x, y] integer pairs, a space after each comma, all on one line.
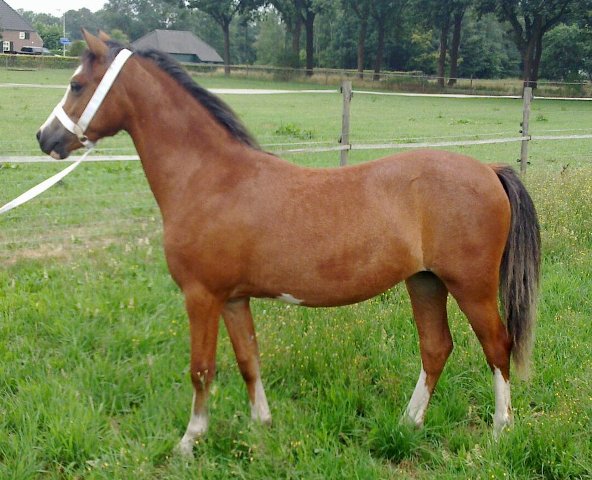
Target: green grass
[[94, 350]]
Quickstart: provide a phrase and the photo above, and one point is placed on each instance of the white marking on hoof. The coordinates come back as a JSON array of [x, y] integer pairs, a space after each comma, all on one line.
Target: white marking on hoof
[[197, 427], [286, 297], [260, 409], [415, 411], [502, 417]]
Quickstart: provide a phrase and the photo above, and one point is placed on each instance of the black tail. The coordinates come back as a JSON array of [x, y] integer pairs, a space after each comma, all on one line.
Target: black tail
[[520, 268]]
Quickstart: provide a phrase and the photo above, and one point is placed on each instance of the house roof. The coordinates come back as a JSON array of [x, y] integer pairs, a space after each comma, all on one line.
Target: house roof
[[11, 20], [178, 42]]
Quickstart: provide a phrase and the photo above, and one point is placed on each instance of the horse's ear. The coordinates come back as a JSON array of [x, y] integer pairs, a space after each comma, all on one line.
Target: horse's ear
[[104, 36], [95, 44]]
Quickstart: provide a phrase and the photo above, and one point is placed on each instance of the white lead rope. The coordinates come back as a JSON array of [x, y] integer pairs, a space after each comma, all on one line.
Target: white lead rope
[[42, 187]]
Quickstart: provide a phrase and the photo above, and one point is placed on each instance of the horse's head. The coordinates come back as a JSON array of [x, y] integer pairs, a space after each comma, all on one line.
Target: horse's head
[[92, 106]]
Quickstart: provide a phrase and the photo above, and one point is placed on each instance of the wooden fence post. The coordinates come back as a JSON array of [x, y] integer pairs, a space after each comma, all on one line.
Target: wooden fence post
[[527, 99], [346, 90]]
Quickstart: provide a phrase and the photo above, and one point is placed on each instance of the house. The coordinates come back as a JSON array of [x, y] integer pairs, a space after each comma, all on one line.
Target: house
[[182, 45], [16, 31]]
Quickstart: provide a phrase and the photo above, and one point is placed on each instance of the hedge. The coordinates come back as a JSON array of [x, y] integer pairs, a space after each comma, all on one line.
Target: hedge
[[35, 62]]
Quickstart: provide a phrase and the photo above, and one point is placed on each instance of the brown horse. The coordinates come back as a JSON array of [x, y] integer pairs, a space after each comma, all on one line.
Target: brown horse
[[242, 223]]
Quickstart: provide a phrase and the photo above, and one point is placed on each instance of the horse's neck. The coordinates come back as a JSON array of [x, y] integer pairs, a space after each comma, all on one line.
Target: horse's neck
[[177, 139]]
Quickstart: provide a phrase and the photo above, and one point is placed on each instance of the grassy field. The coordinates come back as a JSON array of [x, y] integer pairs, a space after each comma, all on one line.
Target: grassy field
[[94, 350]]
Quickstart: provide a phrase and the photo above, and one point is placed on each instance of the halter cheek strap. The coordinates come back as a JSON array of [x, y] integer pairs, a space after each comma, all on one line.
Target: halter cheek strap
[[79, 128]]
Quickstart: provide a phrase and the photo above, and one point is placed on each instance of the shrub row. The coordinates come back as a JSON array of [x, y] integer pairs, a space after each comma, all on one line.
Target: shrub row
[[34, 62]]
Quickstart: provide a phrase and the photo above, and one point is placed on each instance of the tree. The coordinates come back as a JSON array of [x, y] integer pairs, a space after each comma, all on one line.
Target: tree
[[444, 15], [50, 35], [459, 8], [271, 34], [336, 35], [244, 35], [223, 11], [309, 12], [35, 18], [487, 51], [385, 12], [135, 18], [119, 36], [529, 21], [78, 19], [567, 53], [297, 13], [77, 48], [289, 11], [361, 10]]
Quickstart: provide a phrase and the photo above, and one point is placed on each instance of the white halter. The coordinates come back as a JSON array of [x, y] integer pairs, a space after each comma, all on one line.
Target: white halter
[[79, 128]]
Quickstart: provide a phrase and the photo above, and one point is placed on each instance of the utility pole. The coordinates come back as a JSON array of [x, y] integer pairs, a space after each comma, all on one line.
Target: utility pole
[[64, 32]]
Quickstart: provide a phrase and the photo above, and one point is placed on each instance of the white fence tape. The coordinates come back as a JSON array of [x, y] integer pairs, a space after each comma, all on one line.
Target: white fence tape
[[335, 148]]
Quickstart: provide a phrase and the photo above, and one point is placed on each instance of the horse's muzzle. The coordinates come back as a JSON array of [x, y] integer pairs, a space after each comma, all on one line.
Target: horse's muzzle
[[54, 142]]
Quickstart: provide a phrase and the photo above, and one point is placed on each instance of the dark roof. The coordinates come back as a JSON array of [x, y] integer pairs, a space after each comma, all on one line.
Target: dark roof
[[11, 20], [178, 42]]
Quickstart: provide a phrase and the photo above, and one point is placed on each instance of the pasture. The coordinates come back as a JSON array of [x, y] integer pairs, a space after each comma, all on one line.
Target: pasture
[[94, 341]]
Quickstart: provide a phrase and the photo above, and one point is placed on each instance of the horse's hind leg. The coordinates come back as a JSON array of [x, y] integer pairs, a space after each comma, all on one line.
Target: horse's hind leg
[[239, 323], [478, 301], [204, 313], [428, 300]]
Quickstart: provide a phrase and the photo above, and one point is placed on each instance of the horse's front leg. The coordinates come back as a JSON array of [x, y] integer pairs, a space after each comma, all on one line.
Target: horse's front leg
[[239, 323], [204, 314]]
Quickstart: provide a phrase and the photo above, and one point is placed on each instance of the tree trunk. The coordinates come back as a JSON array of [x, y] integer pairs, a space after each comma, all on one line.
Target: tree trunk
[[531, 56], [362, 46], [537, 60], [442, 56], [296, 31], [528, 57], [455, 47], [309, 25], [379, 51], [226, 30]]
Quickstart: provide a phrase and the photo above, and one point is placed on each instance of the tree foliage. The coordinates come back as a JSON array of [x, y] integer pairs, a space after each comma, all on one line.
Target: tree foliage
[[361, 9], [530, 20], [568, 53], [386, 14], [223, 12], [448, 38], [50, 35], [297, 14]]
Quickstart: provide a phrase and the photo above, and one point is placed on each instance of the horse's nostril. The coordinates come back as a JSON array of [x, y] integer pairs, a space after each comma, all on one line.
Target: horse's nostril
[[38, 135]]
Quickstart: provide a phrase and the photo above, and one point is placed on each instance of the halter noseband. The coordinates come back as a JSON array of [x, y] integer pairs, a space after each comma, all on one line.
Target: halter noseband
[[79, 128]]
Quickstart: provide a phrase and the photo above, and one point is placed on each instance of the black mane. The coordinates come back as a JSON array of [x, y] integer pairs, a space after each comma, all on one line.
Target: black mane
[[219, 109]]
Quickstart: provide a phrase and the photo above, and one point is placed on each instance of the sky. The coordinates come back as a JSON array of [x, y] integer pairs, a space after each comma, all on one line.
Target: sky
[[56, 7]]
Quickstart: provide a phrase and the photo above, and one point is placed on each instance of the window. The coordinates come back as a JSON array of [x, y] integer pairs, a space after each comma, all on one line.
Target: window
[[24, 35]]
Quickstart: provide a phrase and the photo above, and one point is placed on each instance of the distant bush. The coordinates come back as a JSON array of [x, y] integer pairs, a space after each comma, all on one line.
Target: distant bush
[[34, 62], [76, 48]]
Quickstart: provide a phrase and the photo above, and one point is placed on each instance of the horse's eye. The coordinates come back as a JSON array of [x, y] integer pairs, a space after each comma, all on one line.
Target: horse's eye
[[75, 87]]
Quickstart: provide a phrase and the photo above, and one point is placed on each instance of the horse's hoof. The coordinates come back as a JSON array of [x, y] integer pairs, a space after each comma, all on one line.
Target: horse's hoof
[[185, 448], [500, 428], [261, 419], [412, 422], [263, 422]]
